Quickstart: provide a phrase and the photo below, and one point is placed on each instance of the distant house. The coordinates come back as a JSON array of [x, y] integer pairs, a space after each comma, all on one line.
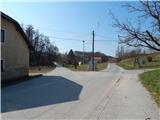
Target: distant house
[[97, 59], [15, 49]]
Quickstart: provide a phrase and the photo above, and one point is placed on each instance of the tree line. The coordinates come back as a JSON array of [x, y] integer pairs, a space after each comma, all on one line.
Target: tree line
[[125, 52], [73, 57], [45, 52]]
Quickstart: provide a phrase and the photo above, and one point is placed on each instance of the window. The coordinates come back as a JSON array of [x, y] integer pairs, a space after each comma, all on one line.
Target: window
[[2, 35], [2, 65]]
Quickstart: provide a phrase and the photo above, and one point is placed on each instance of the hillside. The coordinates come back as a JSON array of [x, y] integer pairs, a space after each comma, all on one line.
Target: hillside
[[144, 63]]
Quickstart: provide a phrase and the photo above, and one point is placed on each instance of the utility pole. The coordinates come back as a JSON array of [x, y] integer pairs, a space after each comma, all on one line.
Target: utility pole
[[93, 51], [83, 53]]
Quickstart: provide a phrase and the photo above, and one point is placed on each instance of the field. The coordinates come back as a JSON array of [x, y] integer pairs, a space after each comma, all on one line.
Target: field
[[85, 67], [144, 63], [151, 80]]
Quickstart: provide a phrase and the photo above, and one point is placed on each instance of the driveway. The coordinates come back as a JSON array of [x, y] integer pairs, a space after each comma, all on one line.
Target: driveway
[[113, 93]]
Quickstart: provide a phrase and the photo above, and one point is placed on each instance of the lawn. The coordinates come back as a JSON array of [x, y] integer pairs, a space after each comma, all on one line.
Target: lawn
[[101, 66], [40, 69], [129, 63], [85, 67], [151, 81]]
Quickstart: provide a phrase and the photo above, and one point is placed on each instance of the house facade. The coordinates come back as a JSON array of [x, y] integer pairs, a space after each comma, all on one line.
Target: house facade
[[15, 49], [97, 59]]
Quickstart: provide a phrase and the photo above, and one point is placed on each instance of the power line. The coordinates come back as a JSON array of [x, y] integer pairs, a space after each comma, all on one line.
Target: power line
[[101, 36], [78, 34], [66, 38], [86, 34], [106, 40], [62, 31], [72, 39]]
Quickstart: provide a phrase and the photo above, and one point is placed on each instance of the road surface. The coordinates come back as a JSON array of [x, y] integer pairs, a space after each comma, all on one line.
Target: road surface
[[113, 93]]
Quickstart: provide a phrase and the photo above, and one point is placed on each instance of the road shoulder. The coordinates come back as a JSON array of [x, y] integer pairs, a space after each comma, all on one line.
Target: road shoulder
[[130, 100]]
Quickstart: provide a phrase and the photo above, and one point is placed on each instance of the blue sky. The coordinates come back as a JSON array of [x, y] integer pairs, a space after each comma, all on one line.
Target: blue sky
[[73, 20]]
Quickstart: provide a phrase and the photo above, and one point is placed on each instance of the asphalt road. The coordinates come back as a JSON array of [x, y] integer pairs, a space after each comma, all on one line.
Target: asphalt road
[[113, 93]]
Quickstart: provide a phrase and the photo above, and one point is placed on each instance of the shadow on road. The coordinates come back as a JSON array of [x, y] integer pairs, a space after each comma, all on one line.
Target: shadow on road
[[43, 91]]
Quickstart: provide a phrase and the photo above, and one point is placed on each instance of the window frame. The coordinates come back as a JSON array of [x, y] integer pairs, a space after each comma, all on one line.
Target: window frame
[[4, 35], [3, 70]]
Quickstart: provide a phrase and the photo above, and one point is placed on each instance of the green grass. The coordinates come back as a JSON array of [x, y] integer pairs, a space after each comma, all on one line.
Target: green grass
[[151, 80], [85, 67], [129, 63], [101, 66], [41, 69]]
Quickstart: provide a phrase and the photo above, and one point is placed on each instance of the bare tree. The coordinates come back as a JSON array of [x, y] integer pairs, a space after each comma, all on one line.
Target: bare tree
[[120, 51], [137, 35], [44, 52], [71, 57], [29, 30]]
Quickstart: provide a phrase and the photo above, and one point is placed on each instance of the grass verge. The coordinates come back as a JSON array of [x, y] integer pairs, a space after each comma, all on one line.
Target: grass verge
[[40, 69], [151, 81], [129, 63], [101, 66], [85, 67]]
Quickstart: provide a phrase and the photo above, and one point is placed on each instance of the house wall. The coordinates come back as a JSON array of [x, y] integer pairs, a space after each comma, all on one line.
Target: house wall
[[97, 59], [14, 51]]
